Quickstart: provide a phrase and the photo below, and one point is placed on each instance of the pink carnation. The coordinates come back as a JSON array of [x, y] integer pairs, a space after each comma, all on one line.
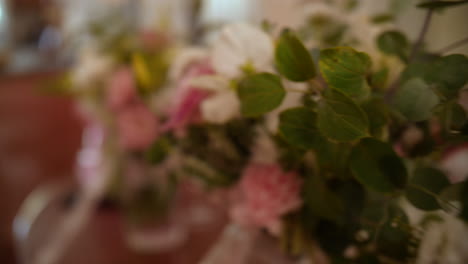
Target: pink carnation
[[187, 100], [267, 193], [137, 126], [122, 89]]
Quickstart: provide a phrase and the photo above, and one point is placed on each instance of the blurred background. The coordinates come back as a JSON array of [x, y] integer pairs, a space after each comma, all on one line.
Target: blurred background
[[40, 134]]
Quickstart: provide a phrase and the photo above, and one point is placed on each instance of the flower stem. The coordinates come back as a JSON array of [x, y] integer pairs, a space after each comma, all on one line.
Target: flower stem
[[422, 35], [414, 51], [454, 45]]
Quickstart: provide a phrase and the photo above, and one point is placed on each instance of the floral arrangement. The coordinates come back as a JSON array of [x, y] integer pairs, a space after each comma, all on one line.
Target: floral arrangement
[[341, 139]]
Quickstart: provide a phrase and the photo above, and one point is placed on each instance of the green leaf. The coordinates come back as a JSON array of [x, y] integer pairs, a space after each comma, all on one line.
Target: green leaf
[[382, 18], [297, 127], [378, 115], [423, 186], [292, 58], [260, 93], [464, 202], [158, 151], [458, 117], [441, 4], [375, 165], [321, 201], [378, 80], [393, 43], [449, 73], [345, 69], [340, 119], [394, 238], [414, 70], [415, 100]]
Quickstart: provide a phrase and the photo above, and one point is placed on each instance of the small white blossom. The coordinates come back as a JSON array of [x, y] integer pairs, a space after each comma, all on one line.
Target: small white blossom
[[221, 107], [238, 45]]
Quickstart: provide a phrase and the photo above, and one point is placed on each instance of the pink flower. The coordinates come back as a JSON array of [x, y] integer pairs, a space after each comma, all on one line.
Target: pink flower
[[454, 163], [122, 89], [187, 99], [137, 127], [267, 193]]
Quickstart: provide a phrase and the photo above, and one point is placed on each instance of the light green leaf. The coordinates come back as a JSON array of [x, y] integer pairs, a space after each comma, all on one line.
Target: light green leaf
[[375, 165], [345, 69], [260, 94], [441, 4], [449, 73], [297, 126], [158, 151], [415, 100], [292, 58], [340, 119], [425, 184], [393, 43]]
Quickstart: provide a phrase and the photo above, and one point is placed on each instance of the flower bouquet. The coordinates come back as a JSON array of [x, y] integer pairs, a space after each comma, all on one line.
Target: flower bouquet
[[340, 141]]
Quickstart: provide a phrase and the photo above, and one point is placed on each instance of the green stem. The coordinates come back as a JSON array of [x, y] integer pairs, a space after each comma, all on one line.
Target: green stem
[[454, 45], [435, 195]]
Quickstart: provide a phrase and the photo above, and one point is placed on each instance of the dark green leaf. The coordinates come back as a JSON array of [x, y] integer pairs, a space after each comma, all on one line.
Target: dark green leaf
[[345, 69], [321, 201], [375, 164], [340, 119], [292, 58], [393, 43], [449, 73], [414, 70], [441, 4], [423, 186], [464, 201], [260, 94], [415, 100], [297, 126], [377, 113], [394, 238]]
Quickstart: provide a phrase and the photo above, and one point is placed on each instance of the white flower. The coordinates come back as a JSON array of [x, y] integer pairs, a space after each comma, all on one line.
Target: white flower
[[184, 59], [221, 108], [91, 67], [238, 45], [444, 242], [455, 164]]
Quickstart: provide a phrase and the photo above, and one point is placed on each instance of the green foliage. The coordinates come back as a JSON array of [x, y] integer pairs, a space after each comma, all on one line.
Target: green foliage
[[376, 166], [464, 201], [292, 58], [449, 74], [393, 43], [297, 127], [415, 100], [441, 4], [260, 93], [382, 18], [340, 118], [345, 69], [424, 187], [158, 151], [377, 112], [150, 71], [315, 193]]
